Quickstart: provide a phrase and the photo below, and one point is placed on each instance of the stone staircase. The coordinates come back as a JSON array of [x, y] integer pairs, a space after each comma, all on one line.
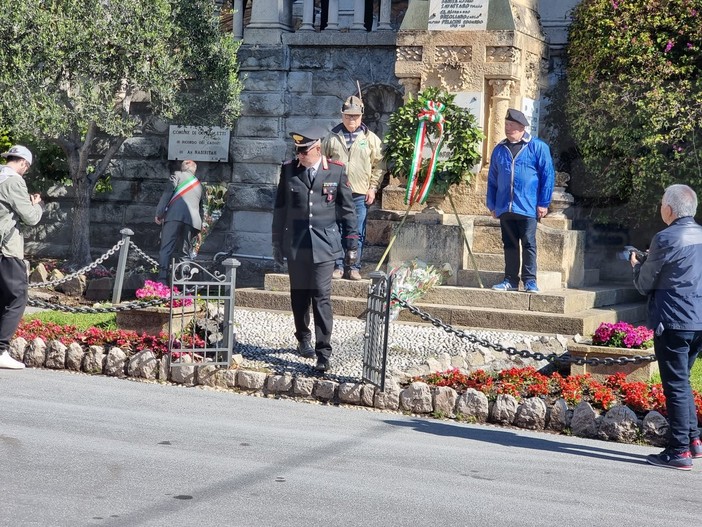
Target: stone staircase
[[572, 299], [566, 311]]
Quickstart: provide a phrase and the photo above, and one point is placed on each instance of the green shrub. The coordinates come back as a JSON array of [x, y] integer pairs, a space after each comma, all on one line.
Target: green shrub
[[635, 100]]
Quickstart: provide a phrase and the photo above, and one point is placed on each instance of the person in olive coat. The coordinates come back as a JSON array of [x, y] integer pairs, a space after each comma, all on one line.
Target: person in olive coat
[[313, 195]]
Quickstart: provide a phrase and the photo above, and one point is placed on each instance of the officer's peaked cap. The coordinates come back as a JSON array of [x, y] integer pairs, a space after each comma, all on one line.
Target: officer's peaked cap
[[308, 136]]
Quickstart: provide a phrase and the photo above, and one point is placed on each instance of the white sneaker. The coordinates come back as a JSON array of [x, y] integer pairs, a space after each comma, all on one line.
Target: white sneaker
[[9, 363]]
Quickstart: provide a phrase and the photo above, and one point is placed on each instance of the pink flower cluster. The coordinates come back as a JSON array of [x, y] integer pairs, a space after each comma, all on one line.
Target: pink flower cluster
[[623, 335], [154, 290]]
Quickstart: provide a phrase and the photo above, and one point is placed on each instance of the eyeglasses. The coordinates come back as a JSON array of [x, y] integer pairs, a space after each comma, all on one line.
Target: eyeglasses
[[307, 151]]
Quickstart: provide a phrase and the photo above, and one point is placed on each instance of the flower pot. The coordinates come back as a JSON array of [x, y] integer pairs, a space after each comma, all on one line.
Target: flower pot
[[634, 372], [154, 320]]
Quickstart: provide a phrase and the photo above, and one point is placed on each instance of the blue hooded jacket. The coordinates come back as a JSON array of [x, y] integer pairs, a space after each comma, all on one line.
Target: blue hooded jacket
[[522, 183]]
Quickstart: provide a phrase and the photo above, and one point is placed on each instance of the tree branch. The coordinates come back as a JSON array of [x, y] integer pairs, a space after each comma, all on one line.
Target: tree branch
[[101, 167]]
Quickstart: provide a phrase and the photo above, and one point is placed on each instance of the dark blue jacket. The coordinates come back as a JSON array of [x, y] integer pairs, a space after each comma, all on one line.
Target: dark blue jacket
[[671, 276], [519, 184], [305, 218]]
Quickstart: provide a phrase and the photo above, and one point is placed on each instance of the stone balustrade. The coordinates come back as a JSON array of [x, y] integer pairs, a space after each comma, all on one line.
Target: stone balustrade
[[276, 16]]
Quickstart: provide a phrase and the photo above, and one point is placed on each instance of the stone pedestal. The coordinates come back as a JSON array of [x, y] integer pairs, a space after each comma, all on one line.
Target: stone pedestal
[[634, 372], [431, 243], [154, 320]]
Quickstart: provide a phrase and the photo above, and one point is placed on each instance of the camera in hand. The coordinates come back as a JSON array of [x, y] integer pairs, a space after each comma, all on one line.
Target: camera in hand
[[640, 255], [628, 251]]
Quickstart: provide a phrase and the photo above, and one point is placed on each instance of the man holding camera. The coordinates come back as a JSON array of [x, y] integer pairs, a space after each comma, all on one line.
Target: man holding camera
[[17, 206], [313, 194], [671, 276]]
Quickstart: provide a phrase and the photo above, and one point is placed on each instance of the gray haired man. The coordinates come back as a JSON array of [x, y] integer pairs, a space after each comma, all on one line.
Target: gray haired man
[[180, 213], [671, 276]]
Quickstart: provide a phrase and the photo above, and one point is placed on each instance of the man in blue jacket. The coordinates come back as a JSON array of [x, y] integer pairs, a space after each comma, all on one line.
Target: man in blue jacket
[[671, 276], [520, 184]]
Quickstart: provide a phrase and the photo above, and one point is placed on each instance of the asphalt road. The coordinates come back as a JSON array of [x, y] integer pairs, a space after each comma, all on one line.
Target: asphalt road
[[77, 450]]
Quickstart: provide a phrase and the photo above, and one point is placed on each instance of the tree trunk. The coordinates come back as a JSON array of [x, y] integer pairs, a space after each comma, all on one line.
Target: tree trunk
[[80, 240]]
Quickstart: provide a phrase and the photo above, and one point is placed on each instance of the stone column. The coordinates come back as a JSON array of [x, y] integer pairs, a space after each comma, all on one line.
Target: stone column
[[238, 19], [333, 16], [269, 19], [384, 15], [411, 86], [500, 98], [359, 13], [307, 16]]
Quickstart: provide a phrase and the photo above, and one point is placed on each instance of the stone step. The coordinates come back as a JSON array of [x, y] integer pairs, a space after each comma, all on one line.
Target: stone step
[[583, 322], [489, 261], [561, 301], [547, 280]]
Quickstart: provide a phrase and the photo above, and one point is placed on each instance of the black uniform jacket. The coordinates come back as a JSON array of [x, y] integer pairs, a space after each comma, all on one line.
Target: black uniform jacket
[[306, 218]]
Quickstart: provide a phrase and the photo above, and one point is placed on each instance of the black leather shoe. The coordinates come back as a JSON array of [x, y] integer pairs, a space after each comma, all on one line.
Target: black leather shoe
[[323, 364], [306, 350]]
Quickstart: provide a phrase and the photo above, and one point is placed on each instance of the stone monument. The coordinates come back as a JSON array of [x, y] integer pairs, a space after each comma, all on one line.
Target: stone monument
[[493, 55]]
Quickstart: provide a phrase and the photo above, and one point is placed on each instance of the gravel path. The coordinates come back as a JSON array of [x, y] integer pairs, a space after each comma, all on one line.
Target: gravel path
[[266, 341]]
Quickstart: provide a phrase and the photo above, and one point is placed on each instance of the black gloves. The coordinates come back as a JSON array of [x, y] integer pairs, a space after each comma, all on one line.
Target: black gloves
[[278, 255], [350, 258]]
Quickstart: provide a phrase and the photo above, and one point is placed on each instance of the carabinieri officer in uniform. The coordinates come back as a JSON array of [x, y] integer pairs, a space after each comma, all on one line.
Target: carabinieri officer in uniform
[[313, 195]]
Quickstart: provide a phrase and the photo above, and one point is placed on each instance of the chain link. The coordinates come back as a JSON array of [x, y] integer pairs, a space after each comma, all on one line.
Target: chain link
[[112, 309], [143, 254], [82, 271], [511, 351]]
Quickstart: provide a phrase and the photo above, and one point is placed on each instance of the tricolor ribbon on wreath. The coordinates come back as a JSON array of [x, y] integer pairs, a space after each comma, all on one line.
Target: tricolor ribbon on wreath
[[432, 112]]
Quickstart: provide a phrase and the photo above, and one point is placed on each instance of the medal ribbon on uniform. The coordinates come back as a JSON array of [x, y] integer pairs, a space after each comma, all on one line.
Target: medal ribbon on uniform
[[433, 112]]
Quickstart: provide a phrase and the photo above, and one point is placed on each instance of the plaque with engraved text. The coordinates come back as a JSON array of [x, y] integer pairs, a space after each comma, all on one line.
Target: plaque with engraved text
[[458, 15]]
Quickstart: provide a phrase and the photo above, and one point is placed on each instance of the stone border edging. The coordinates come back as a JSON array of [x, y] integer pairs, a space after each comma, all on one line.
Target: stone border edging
[[619, 423]]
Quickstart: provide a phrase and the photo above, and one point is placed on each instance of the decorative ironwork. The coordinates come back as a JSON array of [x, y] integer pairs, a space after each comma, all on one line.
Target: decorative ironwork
[[201, 324], [375, 338]]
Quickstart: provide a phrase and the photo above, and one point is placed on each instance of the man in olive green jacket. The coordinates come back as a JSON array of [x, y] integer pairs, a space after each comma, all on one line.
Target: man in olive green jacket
[[352, 143], [16, 206]]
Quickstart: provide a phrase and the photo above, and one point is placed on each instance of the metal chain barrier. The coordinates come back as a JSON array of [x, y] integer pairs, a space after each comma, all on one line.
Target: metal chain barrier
[[143, 254], [112, 309], [511, 351], [116, 306], [82, 271]]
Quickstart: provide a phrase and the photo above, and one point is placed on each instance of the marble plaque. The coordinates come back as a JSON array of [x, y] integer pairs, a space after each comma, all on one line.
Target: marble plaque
[[198, 143], [458, 15]]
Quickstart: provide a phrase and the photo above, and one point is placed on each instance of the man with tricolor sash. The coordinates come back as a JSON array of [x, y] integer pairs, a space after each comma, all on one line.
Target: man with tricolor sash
[[179, 211]]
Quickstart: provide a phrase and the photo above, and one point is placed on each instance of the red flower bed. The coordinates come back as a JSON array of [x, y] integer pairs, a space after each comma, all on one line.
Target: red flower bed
[[129, 341], [527, 382]]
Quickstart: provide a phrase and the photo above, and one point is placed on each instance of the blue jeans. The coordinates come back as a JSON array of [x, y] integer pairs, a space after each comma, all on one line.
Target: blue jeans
[[359, 200], [515, 229], [676, 352]]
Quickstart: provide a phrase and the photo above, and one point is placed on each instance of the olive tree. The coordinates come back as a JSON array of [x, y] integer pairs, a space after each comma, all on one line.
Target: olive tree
[[69, 70], [635, 99]]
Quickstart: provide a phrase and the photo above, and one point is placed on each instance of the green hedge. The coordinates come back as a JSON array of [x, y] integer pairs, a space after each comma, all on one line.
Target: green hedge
[[635, 100]]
